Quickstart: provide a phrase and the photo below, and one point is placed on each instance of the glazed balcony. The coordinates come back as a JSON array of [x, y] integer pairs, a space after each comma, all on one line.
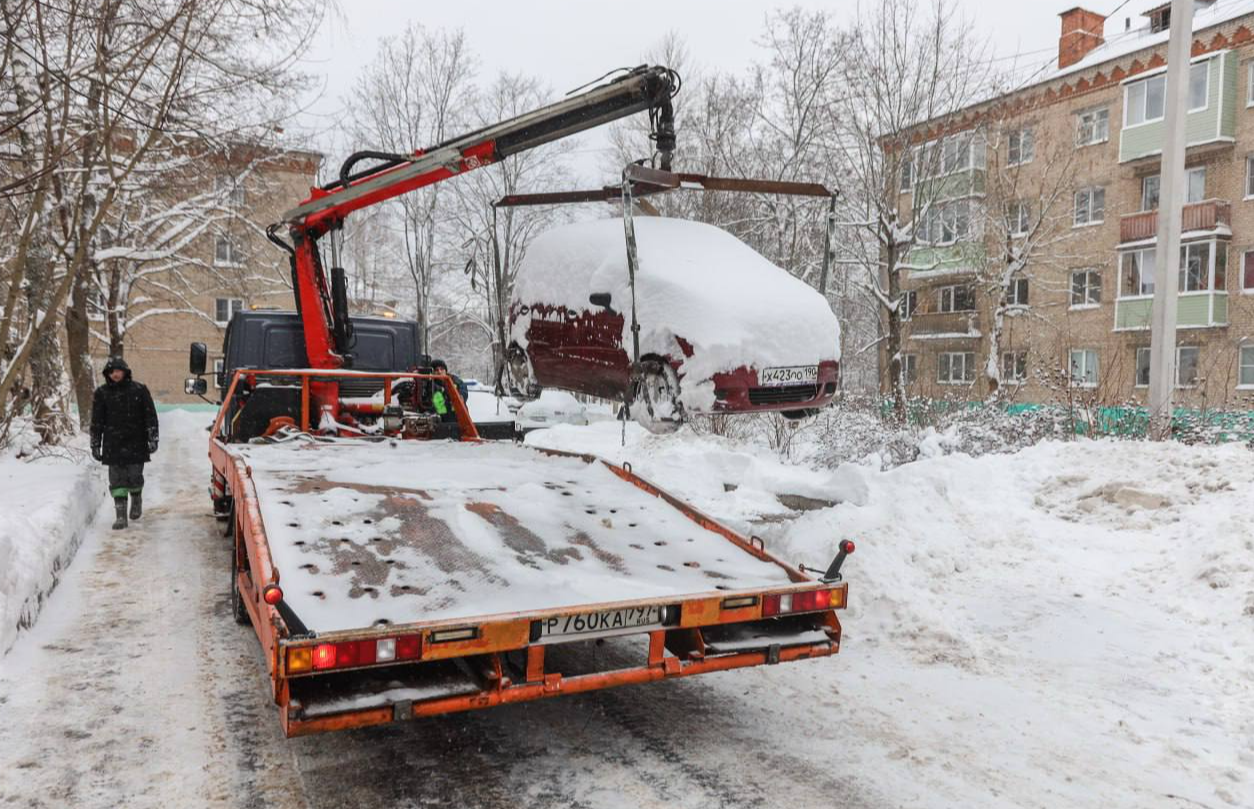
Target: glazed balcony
[[944, 325], [1206, 216]]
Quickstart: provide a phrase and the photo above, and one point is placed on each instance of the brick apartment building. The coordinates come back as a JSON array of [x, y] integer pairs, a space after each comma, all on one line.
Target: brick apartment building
[[229, 267], [1077, 321]]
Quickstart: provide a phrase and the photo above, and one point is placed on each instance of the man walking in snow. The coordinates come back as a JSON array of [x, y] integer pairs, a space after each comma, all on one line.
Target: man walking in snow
[[123, 435]]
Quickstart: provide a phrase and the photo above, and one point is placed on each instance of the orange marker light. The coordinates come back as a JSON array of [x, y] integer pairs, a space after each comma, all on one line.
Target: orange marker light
[[299, 660], [271, 594]]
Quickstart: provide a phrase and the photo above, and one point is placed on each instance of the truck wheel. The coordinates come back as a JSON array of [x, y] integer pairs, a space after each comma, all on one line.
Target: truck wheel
[[522, 375], [238, 611], [226, 522], [655, 403]]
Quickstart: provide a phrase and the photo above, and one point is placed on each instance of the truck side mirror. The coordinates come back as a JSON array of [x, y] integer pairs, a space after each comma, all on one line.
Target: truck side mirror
[[600, 299], [195, 386], [198, 359]]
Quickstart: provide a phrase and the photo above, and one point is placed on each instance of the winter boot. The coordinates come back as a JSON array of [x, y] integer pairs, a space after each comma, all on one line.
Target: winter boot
[[119, 503], [137, 505]]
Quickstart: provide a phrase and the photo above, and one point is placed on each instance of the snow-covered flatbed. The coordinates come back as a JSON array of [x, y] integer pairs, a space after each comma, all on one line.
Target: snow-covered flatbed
[[366, 534]]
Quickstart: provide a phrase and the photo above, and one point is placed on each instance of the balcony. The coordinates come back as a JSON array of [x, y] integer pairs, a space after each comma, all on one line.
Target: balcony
[[953, 259], [1205, 216], [944, 325], [1215, 123], [1194, 310]]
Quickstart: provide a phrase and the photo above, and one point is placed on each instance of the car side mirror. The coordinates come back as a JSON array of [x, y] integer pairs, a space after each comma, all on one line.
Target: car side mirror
[[195, 386], [600, 299], [198, 359]]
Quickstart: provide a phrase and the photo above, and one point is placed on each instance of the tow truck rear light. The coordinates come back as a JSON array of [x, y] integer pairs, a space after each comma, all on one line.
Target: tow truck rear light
[[736, 602], [448, 635], [809, 601], [408, 647], [385, 650], [299, 660], [324, 656]]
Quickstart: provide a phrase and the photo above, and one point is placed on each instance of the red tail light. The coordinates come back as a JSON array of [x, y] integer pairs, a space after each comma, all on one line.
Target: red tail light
[[324, 656], [809, 601], [408, 647], [271, 594]]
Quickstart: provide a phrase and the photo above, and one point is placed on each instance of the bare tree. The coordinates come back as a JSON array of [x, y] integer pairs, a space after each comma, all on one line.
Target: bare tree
[[412, 96], [907, 73]]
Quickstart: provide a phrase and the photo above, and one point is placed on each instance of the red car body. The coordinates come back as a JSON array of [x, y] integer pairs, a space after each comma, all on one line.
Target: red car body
[[583, 351]]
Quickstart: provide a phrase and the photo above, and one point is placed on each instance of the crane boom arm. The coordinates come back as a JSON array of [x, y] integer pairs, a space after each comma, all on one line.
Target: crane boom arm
[[328, 334]]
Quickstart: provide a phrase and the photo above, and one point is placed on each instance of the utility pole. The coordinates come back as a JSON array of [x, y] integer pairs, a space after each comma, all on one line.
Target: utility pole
[[1170, 215]]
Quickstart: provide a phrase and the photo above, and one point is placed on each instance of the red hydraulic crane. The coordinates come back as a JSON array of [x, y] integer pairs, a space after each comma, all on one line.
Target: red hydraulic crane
[[322, 302]]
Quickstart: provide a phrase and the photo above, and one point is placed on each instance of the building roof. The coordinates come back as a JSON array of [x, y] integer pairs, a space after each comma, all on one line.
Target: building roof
[[1129, 32]]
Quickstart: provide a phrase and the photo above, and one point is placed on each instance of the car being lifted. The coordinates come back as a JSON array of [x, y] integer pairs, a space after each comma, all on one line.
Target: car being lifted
[[722, 329]]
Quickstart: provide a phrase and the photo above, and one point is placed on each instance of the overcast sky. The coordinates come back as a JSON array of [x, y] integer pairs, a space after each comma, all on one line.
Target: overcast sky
[[569, 42]]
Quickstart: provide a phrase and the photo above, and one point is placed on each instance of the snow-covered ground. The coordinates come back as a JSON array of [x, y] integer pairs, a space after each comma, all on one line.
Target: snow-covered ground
[[1068, 626], [46, 503]]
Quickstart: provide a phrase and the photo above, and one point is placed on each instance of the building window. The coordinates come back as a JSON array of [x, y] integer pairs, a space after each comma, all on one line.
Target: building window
[[230, 189], [947, 223], [955, 299], [909, 302], [224, 308], [1199, 86], [1020, 215], [909, 368], [1136, 275], [225, 253], [1014, 367], [1017, 294], [1195, 261], [955, 367], [907, 171], [1149, 192], [1086, 288], [1092, 126], [1194, 188], [1245, 377], [1143, 101], [1142, 367], [1160, 19], [1090, 206], [1249, 171], [1247, 271], [1021, 147], [1186, 366], [1084, 367]]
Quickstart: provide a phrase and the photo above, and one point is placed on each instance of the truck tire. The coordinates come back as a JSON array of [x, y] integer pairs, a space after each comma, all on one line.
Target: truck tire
[[238, 610]]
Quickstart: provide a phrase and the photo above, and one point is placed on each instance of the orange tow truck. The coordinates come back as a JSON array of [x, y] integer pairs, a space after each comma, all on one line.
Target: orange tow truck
[[395, 565]]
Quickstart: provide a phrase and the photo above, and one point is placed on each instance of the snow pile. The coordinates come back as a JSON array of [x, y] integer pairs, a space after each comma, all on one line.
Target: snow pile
[[733, 482], [696, 281], [1069, 624], [48, 503]]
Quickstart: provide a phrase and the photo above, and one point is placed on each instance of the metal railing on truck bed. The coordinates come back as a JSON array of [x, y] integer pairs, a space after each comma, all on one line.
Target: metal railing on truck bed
[[390, 578]]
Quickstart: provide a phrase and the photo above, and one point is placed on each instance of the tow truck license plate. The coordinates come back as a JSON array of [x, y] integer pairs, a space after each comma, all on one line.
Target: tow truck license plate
[[610, 622], [795, 375]]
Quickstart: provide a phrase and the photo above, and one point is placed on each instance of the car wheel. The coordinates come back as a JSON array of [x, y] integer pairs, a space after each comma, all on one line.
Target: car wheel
[[522, 375], [655, 401]]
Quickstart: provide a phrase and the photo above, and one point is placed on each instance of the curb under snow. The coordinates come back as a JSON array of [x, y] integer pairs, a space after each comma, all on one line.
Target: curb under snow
[[40, 534]]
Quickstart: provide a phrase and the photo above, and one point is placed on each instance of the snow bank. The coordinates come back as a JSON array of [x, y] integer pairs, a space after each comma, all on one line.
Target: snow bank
[[47, 506], [1071, 624], [696, 281]]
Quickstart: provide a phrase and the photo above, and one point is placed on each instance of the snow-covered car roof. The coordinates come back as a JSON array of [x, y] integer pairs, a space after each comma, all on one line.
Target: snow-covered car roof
[[696, 281]]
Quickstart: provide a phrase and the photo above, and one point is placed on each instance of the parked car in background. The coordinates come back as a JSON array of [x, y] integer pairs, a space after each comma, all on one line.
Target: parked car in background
[[550, 408], [722, 329]]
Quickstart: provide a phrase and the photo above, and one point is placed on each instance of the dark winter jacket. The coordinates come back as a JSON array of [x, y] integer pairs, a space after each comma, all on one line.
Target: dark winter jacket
[[123, 419]]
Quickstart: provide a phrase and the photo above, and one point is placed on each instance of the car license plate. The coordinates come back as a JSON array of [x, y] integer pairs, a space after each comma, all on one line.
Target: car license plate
[[794, 375], [600, 624]]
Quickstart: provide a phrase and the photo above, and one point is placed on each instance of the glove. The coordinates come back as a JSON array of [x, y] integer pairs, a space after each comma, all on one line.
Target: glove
[[96, 451], [152, 445]]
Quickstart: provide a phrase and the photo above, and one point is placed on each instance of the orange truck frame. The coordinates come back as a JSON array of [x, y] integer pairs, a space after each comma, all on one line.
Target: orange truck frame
[[370, 675]]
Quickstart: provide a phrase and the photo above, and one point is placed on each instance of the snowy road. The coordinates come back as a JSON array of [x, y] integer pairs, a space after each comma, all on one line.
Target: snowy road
[[1070, 626], [137, 690]]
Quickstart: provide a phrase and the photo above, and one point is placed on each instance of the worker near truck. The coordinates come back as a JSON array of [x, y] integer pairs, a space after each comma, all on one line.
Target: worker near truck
[[124, 435], [439, 396]]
